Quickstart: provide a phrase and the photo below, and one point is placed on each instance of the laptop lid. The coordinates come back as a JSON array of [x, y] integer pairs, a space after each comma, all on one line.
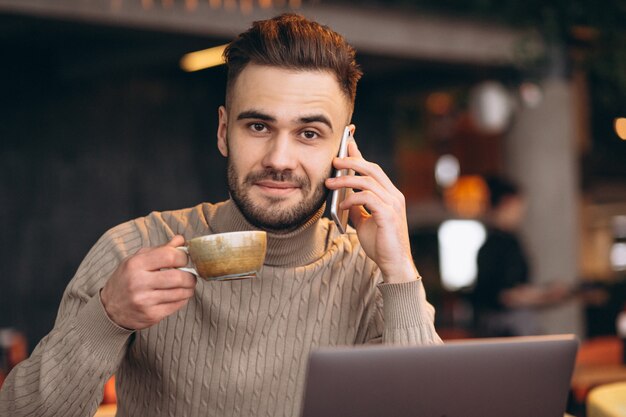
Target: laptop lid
[[506, 377]]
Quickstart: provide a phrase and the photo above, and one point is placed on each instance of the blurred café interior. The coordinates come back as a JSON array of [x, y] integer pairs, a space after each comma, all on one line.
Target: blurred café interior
[[108, 110]]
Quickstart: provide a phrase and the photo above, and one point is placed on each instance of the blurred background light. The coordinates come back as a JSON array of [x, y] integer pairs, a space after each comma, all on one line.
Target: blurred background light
[[531, 94], [491, 107], [439, 103], [467, 197], [620, 127], [618, 249], [618, 256], [459, 242], [207, 58], [447, 170], [191, 5]]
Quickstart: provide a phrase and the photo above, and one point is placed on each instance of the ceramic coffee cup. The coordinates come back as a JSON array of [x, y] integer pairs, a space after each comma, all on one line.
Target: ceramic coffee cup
[[226, 256]]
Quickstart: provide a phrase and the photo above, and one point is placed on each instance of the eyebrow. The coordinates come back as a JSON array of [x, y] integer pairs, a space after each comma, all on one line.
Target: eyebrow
[[314, 118], [254, 114]]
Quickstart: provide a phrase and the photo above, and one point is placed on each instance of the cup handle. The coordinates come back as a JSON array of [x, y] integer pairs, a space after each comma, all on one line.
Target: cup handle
[[187, 269], [190, 270]]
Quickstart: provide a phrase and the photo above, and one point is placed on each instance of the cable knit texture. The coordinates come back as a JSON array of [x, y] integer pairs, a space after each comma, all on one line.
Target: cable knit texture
[[237, 348]]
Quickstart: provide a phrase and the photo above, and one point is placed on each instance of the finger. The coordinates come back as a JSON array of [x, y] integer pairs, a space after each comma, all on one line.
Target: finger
[[176, 241], [366, 168], [356, 162], [170, 296], [369, 201], [166, 256], [379, 198], [364, 184], [353, 149], [359, 183], [172, 278]]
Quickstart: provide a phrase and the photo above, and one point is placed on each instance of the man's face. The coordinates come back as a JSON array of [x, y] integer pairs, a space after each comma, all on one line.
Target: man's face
[[280, 135], [511, 212]]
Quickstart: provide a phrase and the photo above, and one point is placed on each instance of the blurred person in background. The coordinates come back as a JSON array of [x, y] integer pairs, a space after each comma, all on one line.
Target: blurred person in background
[[505, 300], [185, 347]]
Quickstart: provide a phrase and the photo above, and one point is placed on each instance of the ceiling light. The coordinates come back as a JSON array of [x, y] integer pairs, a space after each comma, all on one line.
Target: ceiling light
[[207, 58]]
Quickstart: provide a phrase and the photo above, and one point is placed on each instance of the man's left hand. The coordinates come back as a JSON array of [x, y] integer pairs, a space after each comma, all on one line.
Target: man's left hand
[[378, 212]]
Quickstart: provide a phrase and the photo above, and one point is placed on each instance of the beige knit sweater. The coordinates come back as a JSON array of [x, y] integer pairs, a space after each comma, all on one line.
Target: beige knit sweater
[[237, 349]]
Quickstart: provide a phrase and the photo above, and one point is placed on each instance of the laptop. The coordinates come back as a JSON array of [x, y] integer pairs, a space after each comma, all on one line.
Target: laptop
[[502, 377]]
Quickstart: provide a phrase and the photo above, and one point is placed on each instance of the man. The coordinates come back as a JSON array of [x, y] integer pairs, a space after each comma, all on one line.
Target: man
[[180, 346], [505, 301]]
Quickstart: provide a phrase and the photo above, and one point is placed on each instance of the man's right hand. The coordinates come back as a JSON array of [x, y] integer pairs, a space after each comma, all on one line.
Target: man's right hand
[[145, 288]]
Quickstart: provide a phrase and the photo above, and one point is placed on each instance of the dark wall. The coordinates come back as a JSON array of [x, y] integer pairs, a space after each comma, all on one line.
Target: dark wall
[[80, 156]]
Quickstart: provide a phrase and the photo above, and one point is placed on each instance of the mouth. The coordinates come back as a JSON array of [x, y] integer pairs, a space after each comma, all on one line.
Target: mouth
[[277, 187]]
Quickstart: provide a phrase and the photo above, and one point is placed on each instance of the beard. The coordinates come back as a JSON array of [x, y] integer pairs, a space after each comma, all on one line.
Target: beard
[[274, 217]]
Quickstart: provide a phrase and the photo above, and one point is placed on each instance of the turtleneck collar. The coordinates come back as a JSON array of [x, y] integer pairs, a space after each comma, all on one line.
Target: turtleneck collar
[[298, 247]]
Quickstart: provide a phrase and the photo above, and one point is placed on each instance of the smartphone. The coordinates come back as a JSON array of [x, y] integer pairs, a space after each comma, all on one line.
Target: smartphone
[[341, 216]]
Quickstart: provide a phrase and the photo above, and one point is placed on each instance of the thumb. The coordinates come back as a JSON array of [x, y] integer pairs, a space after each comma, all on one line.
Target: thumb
[[177, 240]]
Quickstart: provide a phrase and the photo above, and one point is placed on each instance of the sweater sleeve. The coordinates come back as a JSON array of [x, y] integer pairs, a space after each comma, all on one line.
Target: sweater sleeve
[[408, 318], [402, 316], [66, 373]]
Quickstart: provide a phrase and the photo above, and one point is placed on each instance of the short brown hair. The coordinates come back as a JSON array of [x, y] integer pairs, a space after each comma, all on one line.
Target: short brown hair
[[293, 42]]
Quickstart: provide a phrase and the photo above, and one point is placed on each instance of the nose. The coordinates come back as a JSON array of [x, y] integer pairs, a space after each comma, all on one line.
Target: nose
[[280, 153]]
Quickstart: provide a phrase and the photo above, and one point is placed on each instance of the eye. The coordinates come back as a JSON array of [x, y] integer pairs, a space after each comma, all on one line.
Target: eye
[[257, 127], [310, 135]]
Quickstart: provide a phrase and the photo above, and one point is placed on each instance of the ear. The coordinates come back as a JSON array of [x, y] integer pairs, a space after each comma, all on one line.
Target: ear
[[222, 131], [352, 129]]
